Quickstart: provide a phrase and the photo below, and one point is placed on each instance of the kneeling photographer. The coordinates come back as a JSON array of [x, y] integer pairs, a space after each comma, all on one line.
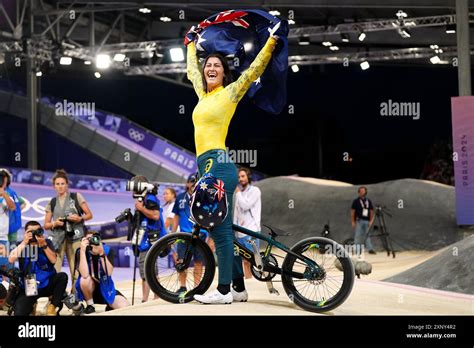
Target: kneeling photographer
[[146, 226], [94, 261], [39, 278]]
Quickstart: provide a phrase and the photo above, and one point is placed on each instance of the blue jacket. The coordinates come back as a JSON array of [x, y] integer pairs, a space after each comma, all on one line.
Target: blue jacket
[[152, 202], [42, 267]]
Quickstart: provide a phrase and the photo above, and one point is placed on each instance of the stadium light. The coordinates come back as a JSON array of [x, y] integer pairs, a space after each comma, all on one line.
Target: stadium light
[[65, 61], [102, 61], [177, 54], [119, 57], [364, 65]]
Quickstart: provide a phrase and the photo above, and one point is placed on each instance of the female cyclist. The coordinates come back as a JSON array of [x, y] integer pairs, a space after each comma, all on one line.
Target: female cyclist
[[218, 99]]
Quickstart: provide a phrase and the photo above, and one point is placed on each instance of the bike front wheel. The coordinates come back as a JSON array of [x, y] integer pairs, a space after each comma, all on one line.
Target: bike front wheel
[[177, 261], [323, 291]]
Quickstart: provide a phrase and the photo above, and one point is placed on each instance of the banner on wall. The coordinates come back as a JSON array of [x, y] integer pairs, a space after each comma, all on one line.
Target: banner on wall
[[462, 109]]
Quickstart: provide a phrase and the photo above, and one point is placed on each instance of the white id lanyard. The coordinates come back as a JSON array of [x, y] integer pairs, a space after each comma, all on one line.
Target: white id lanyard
[[365, 206], [31, 286]]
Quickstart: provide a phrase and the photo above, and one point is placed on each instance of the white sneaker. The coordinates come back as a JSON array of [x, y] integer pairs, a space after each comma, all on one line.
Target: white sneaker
[[214, 297], [242, 296]]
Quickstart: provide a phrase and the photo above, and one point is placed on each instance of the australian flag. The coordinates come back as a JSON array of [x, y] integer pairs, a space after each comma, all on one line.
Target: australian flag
[[242, 34]]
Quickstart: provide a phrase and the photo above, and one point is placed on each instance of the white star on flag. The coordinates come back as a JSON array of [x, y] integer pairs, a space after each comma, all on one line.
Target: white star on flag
[[220, 213], [211, 224], [257, 81], [200, 217], [203, 186], [198, 204], [199, 41]]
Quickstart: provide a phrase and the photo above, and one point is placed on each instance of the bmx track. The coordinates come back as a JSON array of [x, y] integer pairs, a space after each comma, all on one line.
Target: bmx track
[[370, 296], [412, 283], [424, 221]]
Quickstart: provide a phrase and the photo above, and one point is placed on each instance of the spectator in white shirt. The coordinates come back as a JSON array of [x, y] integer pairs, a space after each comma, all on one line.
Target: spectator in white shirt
[[6, 205], [169, 195], [247, 212]]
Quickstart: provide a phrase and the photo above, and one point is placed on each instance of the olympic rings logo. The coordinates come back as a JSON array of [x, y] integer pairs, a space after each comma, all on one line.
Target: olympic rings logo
[[136, 135], [38, 206]]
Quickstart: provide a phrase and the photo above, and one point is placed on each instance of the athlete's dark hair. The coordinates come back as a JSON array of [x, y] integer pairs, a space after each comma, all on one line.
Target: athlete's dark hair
[[60, 174], [247, 172], [362, 187], [227, 73]]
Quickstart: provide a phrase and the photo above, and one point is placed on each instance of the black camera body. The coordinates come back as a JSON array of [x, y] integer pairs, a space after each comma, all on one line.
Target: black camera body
[[126, 215], [94, 240], [13, 291], [39, 232], [67, 227]]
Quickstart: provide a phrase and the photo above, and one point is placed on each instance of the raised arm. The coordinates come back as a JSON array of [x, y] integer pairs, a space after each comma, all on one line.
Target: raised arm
[[194, 74], [238, 88]]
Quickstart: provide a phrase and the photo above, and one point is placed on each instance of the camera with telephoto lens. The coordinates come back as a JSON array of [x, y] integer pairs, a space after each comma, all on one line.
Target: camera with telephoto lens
[[39, 232], [125, 215], [140, 188]]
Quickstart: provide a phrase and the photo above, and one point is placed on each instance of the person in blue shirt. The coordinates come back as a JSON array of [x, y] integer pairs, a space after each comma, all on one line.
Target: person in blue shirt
[[36, 257], [14, 223], [181, 218], [151, 220], [94, 260]]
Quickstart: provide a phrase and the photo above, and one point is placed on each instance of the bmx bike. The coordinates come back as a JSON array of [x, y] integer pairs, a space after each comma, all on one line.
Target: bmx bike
[[308, 272]]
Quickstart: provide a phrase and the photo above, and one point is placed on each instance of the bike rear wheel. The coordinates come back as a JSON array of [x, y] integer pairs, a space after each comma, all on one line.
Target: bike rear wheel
[[329, 289], [164, 267]]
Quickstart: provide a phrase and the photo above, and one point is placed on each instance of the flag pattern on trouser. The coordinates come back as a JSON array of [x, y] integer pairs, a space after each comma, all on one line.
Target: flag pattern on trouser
[[241, 34]]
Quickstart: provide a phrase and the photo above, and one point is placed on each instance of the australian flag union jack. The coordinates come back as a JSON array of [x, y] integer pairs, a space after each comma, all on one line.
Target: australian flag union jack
[[242, 34]]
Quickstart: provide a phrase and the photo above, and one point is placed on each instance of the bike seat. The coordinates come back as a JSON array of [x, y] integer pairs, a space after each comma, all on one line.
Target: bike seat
[[275, 232]]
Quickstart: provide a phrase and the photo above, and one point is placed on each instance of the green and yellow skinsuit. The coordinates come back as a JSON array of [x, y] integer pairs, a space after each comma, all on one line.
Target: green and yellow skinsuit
[[211, 118]]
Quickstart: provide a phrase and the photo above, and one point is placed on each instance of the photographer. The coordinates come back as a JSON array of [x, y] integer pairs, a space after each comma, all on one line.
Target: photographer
[[65, 217], [37, 257], [95, 285], [14, 223], [7, 205], [149, 224], [181, 219]]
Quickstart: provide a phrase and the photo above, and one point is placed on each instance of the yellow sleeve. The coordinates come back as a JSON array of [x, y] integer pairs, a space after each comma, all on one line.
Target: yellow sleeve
[[238, 88], [193, 71]]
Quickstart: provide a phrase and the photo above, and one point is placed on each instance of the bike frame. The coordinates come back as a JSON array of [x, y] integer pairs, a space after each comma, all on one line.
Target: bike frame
[[271, 242]]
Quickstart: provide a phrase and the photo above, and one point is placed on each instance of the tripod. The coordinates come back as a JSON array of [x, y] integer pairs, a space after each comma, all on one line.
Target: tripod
[[133, 232], [380, 213]]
